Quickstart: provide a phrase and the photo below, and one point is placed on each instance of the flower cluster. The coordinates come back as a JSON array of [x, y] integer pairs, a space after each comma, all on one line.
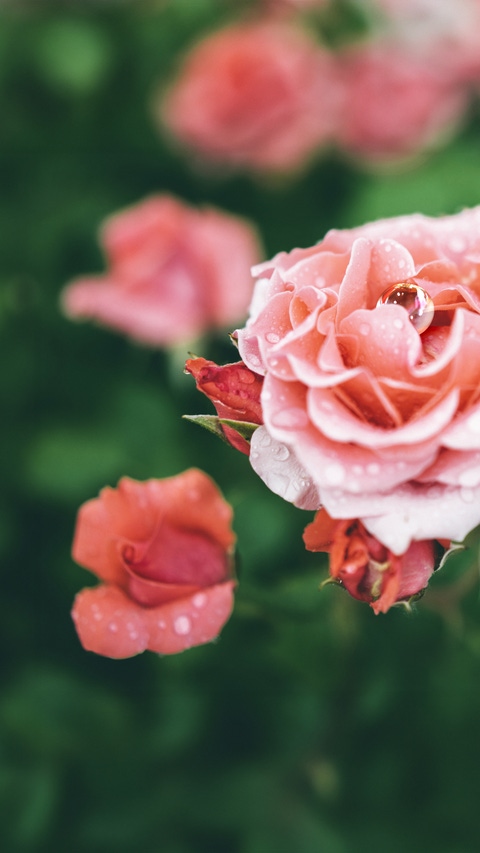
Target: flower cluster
[[266, 95]]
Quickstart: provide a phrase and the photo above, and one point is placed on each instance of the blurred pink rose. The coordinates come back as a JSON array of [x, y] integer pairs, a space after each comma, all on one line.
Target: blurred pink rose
[[163, 550], [444, 32], [262, 95], [364, 412], [396, 103], [368, 570], [174, 273]]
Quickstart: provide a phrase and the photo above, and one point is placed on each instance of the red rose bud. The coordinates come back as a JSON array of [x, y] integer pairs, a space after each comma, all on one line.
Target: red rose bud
[[234, 390], [365, 567]]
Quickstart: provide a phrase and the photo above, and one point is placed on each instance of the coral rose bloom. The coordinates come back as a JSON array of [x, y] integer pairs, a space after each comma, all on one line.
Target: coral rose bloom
[[380, 419], [174, 273], [163, 550], [397, 103], [260, 95]]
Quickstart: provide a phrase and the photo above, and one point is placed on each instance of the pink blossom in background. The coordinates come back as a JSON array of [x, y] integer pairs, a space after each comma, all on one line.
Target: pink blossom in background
[[445, 32], [261, 96], [396, 103], [174, 273], [368, 570], [367, 409], [163, 551]]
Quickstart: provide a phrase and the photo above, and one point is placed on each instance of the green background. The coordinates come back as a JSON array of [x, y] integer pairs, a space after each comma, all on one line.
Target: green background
[[311, 725]]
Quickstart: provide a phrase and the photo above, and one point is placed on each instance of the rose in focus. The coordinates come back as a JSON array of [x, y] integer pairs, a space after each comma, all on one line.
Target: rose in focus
[[262, 96], [362, 413], [163, 550], [174, 273], [368, 570]]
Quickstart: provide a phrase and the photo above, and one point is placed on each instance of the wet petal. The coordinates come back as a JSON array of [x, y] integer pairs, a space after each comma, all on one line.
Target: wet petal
[[109, 623]]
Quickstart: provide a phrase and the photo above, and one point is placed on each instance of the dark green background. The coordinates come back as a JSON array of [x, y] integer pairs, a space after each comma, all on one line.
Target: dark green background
[[311, 725]]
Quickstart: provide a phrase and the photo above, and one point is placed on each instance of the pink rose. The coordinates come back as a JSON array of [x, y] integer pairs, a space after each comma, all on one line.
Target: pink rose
[[368, 570], [163, 550], [441, 32], [396, 103], [174, 273], [364, 404], [260, 95]]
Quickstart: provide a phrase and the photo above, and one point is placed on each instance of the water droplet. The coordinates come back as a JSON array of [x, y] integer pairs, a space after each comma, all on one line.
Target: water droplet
[[291, 418], [414, 299], [97, 616], [161, 624], [401, 264], [133, 635], [334, 473], [182, 625], [388, 247], [281, 452], [467, 495], [470, 477], [398, 323], [254, 454], [473, 422], [457, 244], [113, 627], [265, 440], [373, 469], [364, 329], [357, 469], [272, 338], [199, 599], [254, 360], [273, 362]]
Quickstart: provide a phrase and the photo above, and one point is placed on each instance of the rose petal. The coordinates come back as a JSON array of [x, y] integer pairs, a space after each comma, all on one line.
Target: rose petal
[[281, 471], [191, 621], [109, 623]]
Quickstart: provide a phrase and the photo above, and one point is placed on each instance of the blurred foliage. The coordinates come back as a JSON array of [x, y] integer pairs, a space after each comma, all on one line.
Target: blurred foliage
[[311, 725]]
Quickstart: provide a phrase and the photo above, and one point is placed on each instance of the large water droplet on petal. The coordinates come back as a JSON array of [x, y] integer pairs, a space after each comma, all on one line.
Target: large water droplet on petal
[[182, 625], [414, 299]]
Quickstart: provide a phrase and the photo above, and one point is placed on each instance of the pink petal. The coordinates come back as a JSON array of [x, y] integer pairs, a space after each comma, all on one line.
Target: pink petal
[[108, 623], [411, 512], [191, 621], [280, 470]]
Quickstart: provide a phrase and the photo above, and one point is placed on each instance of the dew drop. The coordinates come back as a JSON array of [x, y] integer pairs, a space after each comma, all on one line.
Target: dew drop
[[373, 469], [182, 625], [398, 323], [161, 624], [254, 360], [265, 440], [473, 422], [291, 418], [414, 299], [457, 244], [274, 362], [334, 473], [470, 477], [281, 452], [272, 338], [467, 495], [113, 627], [364, 329], [199, 600], [97, 616]]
